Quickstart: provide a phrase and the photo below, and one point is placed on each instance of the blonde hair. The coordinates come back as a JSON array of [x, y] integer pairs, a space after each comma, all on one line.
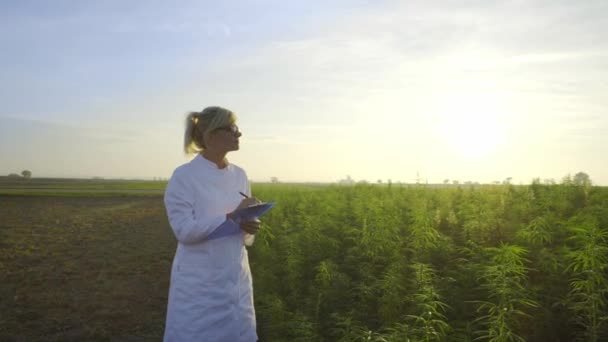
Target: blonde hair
[[200, 124]]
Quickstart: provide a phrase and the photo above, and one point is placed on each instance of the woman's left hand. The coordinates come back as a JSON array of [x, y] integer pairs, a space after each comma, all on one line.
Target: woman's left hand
[[251, 227]]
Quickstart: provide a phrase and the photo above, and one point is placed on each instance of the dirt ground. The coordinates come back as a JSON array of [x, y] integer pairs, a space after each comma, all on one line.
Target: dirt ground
[[83, 268]]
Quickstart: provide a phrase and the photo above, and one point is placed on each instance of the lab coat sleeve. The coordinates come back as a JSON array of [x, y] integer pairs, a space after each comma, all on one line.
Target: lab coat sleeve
[[188, 226]]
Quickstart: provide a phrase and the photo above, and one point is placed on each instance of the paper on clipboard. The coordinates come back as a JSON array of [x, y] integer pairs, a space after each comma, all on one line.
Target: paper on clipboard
[[252, 212], [231, 227]]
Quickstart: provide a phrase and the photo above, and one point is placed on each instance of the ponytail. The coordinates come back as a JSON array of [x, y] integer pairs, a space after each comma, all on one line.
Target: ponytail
[[191, 144]]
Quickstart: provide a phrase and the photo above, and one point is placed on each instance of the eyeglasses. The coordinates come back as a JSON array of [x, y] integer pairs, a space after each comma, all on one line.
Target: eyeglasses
[[234, 129]]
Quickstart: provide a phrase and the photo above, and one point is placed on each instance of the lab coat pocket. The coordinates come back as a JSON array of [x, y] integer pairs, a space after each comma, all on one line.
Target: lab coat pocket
[[201, 274], [197, 286]]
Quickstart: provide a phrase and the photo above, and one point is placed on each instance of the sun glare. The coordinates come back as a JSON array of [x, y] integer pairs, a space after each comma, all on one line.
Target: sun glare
[[471, 124]]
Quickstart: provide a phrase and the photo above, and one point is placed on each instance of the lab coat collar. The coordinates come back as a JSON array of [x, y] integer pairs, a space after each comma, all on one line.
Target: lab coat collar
[[207, 164]]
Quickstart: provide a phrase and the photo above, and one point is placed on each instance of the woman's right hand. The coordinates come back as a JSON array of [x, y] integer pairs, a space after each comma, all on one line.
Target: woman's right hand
[[248, 202]]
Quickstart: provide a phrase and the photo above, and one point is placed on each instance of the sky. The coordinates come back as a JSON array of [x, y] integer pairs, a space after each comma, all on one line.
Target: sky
[[474, 90]]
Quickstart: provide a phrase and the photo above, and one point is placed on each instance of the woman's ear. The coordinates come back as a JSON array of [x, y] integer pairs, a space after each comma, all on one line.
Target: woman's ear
[[200, 137], [205, 138]]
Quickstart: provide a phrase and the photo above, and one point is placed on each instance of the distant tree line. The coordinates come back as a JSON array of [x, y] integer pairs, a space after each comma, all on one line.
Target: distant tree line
[[24, 174]]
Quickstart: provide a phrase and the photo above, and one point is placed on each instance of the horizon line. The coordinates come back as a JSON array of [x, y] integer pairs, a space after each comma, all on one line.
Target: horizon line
[[543, 181]]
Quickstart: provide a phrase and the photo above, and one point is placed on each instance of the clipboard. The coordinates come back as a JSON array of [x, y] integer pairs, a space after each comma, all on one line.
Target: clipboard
[[231, 227], [252, 212]]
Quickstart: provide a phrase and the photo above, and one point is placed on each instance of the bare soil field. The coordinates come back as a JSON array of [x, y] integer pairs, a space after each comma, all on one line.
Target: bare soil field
[[83, 268]]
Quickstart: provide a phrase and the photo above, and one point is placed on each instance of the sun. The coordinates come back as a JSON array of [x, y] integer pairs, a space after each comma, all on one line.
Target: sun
[[471, 124]]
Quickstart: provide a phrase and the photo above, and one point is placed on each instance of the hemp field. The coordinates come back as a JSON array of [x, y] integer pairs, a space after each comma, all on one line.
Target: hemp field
[[90, 261]]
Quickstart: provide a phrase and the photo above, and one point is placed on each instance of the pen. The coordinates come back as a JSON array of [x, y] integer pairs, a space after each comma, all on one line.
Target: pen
[[242, 194]]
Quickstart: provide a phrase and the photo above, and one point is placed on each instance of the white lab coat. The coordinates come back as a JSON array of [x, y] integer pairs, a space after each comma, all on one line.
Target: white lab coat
[[210, 294]]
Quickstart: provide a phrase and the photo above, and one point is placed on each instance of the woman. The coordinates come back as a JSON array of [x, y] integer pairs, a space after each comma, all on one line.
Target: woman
[[210, 294]]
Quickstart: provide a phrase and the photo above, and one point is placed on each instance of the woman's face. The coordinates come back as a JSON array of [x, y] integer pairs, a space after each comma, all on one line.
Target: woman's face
[[225, 138]]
